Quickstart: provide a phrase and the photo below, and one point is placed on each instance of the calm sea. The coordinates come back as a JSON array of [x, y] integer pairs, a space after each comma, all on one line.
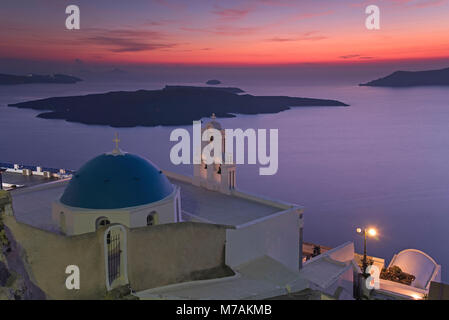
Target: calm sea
[[383, 161]]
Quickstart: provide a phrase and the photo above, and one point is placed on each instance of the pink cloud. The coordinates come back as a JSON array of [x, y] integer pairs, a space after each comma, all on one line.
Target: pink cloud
[[231, 14], [224, 30], [312, 15], [419, 3], [306, 36]]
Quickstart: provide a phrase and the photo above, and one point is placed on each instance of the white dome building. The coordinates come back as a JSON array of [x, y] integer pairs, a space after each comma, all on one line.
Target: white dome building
[[116, 188], [102, 222]]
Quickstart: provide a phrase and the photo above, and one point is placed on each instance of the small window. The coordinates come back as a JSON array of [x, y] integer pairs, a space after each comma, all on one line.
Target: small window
[[101, 222], [151, 218]]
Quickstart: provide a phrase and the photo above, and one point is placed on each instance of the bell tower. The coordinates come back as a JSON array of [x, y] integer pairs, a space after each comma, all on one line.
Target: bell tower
[[215, 176]]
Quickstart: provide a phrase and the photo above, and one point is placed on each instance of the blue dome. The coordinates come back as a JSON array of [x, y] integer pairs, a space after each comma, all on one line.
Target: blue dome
[[112, 181]]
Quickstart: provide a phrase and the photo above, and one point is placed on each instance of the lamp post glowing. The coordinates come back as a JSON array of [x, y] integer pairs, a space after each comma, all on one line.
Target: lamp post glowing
[[371, 232], [416, 296]]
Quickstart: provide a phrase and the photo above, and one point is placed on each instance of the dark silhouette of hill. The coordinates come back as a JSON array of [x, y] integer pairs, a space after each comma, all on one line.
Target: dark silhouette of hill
[[213, 82], [412, 78], [225, 89], [9, 79], [173, 105]]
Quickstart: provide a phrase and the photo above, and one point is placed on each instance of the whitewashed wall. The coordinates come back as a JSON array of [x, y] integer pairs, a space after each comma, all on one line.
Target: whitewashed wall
[[276, 237]]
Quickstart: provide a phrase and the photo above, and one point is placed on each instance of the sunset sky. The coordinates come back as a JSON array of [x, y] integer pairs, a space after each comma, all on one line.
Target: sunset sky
[[222, 32]]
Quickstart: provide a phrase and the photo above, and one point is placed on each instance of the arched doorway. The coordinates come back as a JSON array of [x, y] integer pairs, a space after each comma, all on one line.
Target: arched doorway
[[115, 256]]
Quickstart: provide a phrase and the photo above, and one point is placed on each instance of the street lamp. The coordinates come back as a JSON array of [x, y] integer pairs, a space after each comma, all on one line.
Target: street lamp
[[372, 233]]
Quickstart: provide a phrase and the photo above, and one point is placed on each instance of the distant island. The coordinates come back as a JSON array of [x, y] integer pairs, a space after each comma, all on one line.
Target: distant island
[[10, 79], [412, 78], [172, 105], [199, 89], [213, 82]]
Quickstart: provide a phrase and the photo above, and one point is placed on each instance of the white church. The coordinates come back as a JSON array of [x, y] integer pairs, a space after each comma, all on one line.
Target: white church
[[123, 221], [123, 188]]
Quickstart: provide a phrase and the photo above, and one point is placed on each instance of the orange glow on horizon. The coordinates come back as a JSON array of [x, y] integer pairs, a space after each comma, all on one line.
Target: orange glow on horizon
[[261, 35]]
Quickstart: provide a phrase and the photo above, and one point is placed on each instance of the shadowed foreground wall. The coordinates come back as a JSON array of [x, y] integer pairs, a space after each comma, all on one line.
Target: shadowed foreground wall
[[157, 256], [47, 255], [171, 253]]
